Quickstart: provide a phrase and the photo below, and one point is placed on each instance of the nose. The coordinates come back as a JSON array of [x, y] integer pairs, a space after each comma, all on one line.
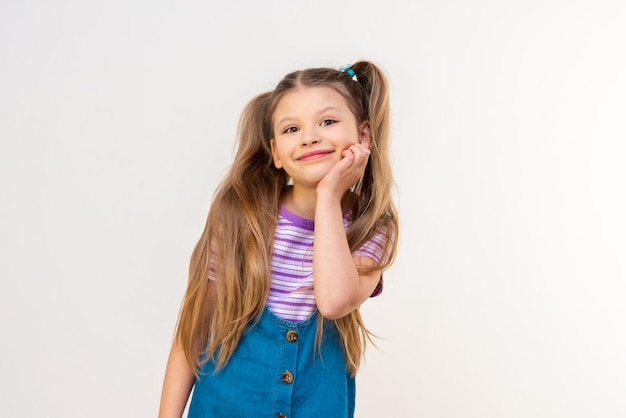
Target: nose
[[310, 137]]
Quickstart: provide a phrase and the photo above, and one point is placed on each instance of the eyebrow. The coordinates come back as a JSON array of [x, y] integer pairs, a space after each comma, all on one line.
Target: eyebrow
[[326, 109], [320, 112]]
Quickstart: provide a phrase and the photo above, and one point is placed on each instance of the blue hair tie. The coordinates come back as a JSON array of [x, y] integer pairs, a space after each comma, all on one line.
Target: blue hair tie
[[347, 69]]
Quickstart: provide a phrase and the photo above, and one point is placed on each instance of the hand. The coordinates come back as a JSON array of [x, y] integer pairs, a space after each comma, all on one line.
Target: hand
[[345, 172]]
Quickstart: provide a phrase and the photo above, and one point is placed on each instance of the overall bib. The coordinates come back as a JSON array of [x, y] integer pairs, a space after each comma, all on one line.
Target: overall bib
[[276, 372]]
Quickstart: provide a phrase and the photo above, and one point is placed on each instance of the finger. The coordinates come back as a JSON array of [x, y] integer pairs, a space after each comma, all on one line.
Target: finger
[[359, 149], [349, 155], [360, 155]]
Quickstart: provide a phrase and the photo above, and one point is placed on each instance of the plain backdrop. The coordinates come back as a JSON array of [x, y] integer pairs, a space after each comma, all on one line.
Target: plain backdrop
[[118, 119]]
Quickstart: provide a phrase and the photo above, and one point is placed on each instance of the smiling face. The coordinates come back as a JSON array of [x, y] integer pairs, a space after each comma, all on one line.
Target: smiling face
[[312, 126]]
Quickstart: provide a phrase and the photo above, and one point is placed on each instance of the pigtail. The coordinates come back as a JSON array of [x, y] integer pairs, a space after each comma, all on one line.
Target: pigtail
[[237, 242], [376, 88], [373, 209], [371, 203]]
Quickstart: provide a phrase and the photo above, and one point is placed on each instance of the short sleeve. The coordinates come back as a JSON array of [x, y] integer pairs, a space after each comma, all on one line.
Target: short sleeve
[[211, 274], [374, 248], [379, 288], [212, 267]]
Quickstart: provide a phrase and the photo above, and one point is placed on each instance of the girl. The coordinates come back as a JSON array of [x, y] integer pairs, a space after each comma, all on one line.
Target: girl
[[297, 237]]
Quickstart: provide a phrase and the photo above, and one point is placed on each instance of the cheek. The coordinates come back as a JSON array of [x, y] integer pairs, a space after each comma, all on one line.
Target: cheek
[[350, 138], [275, 154]]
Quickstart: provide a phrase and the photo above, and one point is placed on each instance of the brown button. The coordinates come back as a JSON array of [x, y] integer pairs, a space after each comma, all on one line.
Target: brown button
[[286, 377], [292, 336], [281, 415]]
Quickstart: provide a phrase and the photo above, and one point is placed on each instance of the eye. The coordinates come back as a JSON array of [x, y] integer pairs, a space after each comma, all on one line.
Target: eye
[[290, 130], [327, 122]]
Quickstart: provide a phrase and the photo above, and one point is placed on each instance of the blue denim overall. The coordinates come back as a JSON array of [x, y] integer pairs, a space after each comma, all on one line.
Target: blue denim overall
[[276, 372]]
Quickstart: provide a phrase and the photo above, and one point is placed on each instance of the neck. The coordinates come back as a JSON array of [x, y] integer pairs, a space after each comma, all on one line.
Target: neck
[[301, 201]]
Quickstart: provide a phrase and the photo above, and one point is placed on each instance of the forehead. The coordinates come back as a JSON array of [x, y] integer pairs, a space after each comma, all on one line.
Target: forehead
[[310, 99]]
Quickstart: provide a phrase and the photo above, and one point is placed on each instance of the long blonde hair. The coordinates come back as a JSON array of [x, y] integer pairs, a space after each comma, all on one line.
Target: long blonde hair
[[237, 240]]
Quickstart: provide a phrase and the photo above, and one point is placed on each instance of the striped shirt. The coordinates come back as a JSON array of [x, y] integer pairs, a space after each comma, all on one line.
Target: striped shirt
[[291, 294]]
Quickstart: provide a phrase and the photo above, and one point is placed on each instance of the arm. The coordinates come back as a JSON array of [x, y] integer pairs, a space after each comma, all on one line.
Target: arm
[[339, 289], [179, 378], [179, 375]]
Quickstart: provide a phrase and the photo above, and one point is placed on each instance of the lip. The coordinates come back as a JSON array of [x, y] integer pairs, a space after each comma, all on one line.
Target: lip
[[313, 155]]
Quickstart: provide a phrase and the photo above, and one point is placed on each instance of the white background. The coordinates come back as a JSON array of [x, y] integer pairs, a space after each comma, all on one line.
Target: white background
[[118, 118]]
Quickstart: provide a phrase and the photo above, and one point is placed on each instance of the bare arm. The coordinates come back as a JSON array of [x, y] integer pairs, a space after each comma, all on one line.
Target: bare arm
[[179, 378], [339, 289]]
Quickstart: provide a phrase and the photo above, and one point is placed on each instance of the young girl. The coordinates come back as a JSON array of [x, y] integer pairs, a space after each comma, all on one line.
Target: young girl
[[296, 239]]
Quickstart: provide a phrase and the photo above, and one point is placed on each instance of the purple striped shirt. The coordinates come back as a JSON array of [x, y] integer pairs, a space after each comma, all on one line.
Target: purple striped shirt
[[291, 295], [291, 291]]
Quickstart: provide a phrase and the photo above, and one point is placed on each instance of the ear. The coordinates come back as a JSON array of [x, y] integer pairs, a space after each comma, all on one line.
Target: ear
[[277, 162], [365, 134]]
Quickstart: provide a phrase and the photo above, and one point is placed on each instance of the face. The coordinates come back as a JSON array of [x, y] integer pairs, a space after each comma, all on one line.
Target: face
[[312, 126]]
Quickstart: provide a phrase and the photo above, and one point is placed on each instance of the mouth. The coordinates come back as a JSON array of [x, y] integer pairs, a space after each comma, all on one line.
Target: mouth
[[314, 155]]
